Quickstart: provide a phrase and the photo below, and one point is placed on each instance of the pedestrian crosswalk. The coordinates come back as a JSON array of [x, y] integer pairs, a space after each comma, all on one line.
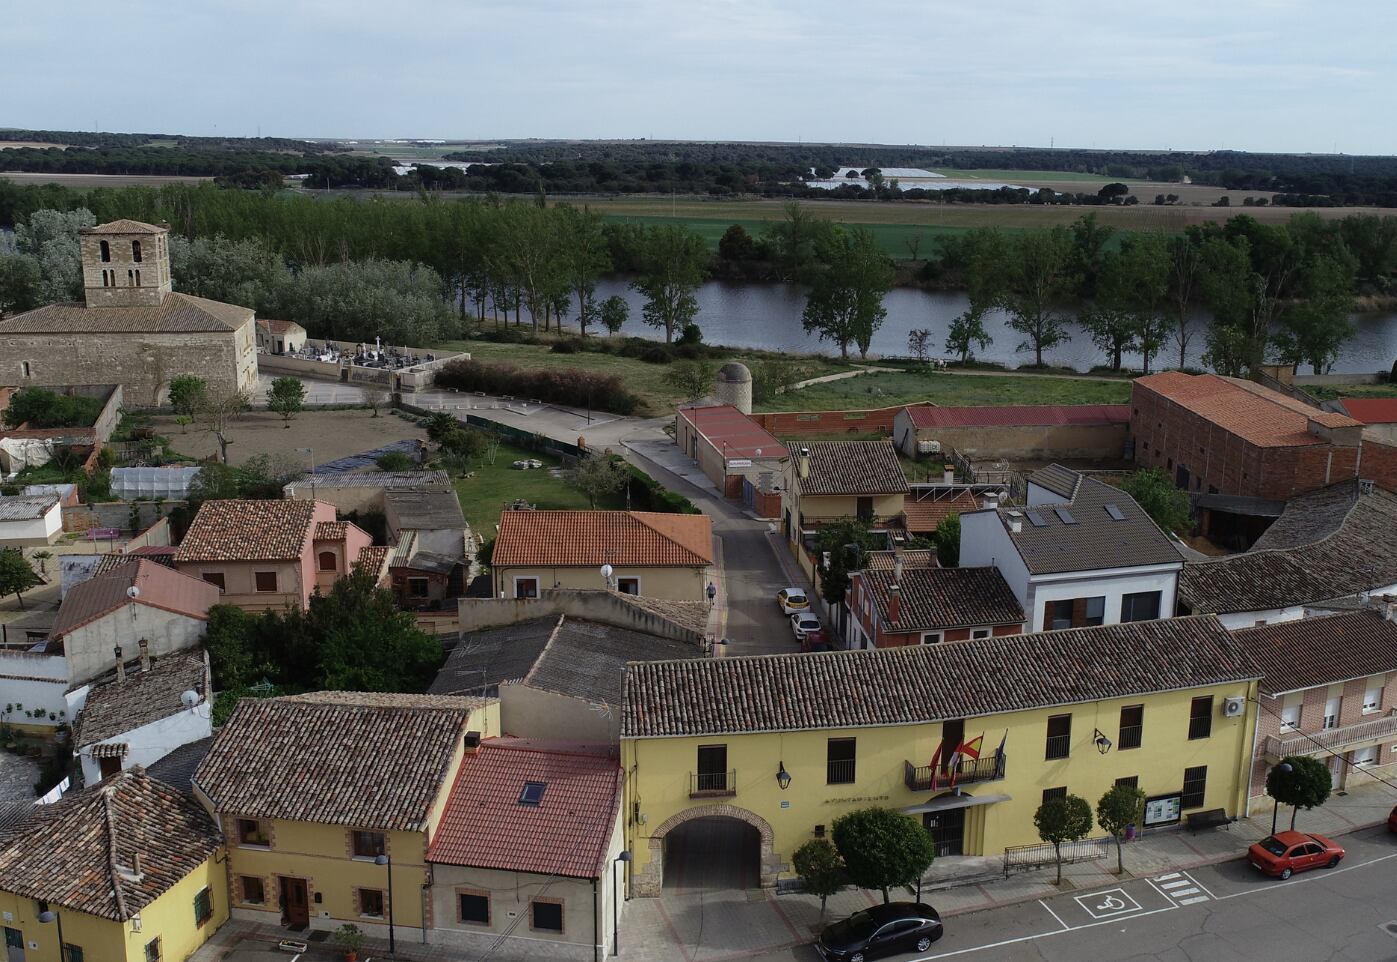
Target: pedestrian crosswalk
[[1181, 888]]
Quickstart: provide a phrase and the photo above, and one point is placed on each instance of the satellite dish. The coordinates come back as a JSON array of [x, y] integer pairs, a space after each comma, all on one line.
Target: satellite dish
[[190, 698], [606, 571], [133, 592]]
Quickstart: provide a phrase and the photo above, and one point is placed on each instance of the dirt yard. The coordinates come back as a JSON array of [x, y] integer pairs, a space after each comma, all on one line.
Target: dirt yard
[[330, 434]]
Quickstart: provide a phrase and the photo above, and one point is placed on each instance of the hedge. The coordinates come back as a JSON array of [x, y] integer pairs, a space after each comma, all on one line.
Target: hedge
[[556, 385]]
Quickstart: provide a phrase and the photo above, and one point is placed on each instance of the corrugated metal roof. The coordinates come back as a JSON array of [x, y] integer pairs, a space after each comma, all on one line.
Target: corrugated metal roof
[[732, 432]]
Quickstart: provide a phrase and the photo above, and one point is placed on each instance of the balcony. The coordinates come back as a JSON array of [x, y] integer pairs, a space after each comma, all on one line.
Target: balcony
[[712, 784], [970, 770], [839, 771], [1131, 736], [1058, 746], [1331, 739]]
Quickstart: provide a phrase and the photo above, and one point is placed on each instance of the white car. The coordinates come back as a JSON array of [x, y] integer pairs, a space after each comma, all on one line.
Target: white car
[[792, 600], [803, 623]]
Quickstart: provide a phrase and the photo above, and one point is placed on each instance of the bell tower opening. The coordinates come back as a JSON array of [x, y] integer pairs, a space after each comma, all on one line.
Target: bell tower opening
[[137, 253]]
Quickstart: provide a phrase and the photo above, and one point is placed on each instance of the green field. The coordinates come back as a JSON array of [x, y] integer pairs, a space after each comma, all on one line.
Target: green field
[[496, 485], [891, 237], [952, 390], [1332, 391], [1024, 176]]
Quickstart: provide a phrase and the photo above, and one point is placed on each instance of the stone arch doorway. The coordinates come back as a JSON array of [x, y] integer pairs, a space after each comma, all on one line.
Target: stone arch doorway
[[709, 846]]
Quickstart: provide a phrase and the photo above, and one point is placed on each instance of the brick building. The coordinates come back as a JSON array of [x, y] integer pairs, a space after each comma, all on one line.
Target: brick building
[[1224, 436]]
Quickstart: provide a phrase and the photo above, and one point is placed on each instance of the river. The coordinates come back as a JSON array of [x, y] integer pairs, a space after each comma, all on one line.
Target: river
[[767, 316]]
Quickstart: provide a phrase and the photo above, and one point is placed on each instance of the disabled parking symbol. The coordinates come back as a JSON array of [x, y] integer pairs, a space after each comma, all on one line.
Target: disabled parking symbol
[[1104, 905]]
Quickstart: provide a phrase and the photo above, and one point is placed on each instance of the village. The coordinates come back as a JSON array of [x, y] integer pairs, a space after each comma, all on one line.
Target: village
[[303, 651]]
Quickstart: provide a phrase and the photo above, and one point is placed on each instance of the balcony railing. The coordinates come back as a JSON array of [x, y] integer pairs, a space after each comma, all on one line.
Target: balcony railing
[[841, 771], [1332, 739], [1200, 726], [710, 784], [1059, 746], [987, 769], [1131, 736]]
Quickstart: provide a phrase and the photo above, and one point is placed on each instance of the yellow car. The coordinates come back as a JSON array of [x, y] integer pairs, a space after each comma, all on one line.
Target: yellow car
[[792, 600]]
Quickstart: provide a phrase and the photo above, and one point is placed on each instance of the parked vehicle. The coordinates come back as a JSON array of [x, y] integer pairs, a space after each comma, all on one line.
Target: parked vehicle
[[1285, 853], [792, 600], [1392, 819], [803, 623], [881, 931]]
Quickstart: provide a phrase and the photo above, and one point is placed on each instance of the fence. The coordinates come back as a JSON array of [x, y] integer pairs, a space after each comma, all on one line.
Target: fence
[[1024, 857]]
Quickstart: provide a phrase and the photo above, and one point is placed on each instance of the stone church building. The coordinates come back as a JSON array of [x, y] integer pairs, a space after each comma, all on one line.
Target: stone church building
[[133, 329]]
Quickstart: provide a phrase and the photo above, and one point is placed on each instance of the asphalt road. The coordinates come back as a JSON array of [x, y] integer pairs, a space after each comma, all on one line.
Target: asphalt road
[[1218, 913]]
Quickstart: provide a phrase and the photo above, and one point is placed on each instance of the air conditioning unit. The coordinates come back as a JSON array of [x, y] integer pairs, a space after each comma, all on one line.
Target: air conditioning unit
[[927, 446], [1233, 707]]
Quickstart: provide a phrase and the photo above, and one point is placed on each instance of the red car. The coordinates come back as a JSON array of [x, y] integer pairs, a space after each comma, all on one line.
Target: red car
[[1392, 820], [1285, 853]]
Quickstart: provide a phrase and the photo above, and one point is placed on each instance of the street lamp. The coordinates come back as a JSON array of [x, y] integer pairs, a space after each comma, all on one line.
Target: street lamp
[[783, 777], [387, 860], [625, 856], [1103, 744], [47, 917], [1284, 768]]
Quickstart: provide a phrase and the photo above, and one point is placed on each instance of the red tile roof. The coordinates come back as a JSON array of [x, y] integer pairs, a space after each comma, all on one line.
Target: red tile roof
[[1264, 417], [1372, 410], [924, 511], [331, 530], [566, 833], [157, 586], [733, 432], [924, 416], [642, 539], [248, 531]]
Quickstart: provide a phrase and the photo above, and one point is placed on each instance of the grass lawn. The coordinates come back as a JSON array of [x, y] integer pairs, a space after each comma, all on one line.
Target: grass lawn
[[951, 390], [643, 378], [484, 496], [1328, 391]]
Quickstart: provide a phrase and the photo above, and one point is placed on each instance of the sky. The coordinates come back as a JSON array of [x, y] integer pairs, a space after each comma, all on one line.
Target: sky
[[1266, 75]]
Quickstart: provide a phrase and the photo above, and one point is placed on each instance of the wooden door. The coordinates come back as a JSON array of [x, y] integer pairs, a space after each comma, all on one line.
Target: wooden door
[[295, 905]]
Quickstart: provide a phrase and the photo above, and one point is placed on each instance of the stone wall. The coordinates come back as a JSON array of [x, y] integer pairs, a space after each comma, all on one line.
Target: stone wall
[[478, 614]]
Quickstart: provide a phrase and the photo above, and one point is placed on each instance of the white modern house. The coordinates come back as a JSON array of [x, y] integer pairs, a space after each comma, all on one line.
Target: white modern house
[[1079, 553], [30, 521]]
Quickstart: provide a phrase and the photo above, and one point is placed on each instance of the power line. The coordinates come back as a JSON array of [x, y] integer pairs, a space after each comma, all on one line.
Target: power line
[[1325, 748]]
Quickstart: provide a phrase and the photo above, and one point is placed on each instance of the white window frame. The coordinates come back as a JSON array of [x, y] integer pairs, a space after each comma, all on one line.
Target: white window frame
[[621, 578], [977, 634], [1372, 695], [1372, 757], [933, 637], [1331, 718], [1290, 717], [538, 585]]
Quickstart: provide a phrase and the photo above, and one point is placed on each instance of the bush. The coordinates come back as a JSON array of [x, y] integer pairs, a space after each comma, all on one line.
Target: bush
[[647, 494], [568, 346], [41, 408], [555, 385]]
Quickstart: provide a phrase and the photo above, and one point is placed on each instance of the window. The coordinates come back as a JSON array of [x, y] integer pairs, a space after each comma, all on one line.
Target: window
[[153, 950], [136, 251], [106, 251], [328, 561], [1200, 717], [1290, 711], [1332, 709], [1140, 606], [254, 892], [1132, 727], [72, 953], [371, 903], [532, 793], [215, 579], [1077, 612], [526, 587], [367, 844], [1195, 786], [24, 370], [840, 761], [628, 586], [1051, 793], [252, 832], [864, 509], [138, 278], [978, 633], [546, 915], [1059, 736], [418, 587], [712, 769], [203, 906], [1061, 615], [931, 637], [1129, 781], [472, 908], [1364, 756], [264, 580], [130, 277], [1372, 695]]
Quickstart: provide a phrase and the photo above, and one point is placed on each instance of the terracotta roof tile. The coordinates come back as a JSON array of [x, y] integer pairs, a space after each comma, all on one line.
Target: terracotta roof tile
[[176, 314], [78, 852], [922, 683], [593, 538], [125, 226], [850, 467], [340, 758], [331, 530], [1372, 410], [1309, 652], [1256, 414], [117, 707], [248, 531], [566, 833], [157, 586], [911, 558], [924, 510], [945, 598]]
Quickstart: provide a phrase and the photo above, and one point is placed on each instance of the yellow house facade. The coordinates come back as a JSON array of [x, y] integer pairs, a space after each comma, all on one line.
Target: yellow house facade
[[789, 743], [312, 790], [828, 481], [128, 868]]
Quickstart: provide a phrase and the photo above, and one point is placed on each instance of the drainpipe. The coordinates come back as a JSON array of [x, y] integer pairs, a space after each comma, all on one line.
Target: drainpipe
[[596, 924]]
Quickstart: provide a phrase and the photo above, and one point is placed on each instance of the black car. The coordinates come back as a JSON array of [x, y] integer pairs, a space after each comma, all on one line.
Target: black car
[[879, 931]]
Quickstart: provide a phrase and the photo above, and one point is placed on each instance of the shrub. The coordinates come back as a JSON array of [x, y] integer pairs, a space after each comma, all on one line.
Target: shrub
[[567, 346], [556, 385], [41, 408]]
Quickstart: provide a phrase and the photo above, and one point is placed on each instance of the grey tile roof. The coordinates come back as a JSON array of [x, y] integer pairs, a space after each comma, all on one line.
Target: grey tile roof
[[26, 508], [177, 768], [488, 658], [1321, 552], [425, 508], [923, 683], [850, 467], [117, 707], [1095, 540], [1309, 652], [372, 479], [1059, 480], [176, 314], [339, 758], [945, 598]]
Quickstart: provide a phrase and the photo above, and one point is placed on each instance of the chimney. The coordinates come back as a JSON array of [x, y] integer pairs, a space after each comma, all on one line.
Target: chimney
[[948, 474], [471, 742], [1015, 522], [136, 864], [991, 499], [803, 463], [120, 665], [894, 604], [897, 567], [145, 654]]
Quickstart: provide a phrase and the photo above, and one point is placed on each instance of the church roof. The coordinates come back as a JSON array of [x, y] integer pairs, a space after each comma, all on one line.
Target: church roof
[[175, 314], [125, 226]]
